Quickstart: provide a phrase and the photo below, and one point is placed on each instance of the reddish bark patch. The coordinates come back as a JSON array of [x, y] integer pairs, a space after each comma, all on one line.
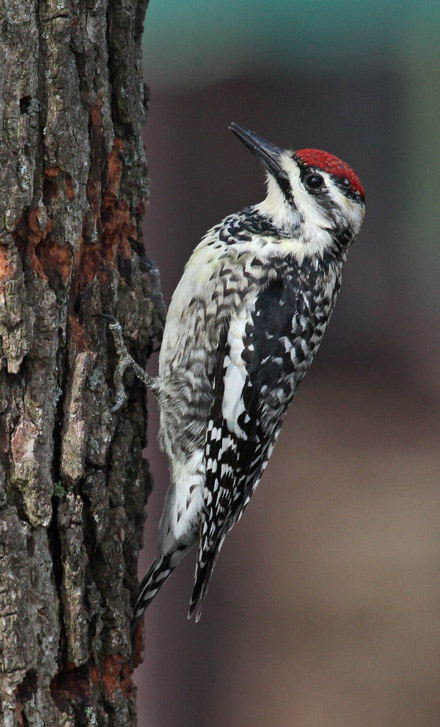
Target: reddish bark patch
[[7, 267], [52, 171], [18, 715], [93, 195], [49, 259], [54, 259], [126, 680], [52, 185], [115, 675], [138, 644], [77, 334], [118, 224], [96, 114], [34, 233], [115, 167], [38, 227], [118, 228], [70, 685], [113, 219], [140, 209]]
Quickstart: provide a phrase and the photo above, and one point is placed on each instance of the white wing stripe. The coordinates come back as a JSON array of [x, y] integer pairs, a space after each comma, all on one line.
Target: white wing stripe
[[235, 372]]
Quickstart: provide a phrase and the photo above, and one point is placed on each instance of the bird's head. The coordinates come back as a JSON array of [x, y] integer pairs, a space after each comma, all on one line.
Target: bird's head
[[312, 195]]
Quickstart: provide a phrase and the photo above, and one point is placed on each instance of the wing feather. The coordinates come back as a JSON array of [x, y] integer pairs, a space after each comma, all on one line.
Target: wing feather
[[253, 383]]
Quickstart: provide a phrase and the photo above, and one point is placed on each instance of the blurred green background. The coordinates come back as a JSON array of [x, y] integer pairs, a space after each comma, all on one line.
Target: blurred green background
[[324, 609], [199, 42]]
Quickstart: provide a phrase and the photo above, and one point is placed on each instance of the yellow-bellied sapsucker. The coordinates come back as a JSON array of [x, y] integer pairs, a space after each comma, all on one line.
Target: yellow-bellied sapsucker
[[244, 324]]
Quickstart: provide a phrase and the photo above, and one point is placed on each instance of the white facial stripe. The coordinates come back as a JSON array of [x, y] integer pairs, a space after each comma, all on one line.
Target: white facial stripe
[[275, 206], [307, 210]]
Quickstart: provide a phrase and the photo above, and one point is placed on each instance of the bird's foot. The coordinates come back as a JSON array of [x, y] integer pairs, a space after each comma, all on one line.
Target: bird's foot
[[125, 361]]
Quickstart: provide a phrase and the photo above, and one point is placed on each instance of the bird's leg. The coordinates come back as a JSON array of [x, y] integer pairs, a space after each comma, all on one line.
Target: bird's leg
[[125, 361]]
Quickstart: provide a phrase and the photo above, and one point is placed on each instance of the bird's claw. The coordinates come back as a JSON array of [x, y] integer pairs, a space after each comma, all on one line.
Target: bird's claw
[[125, 361], [118, 404], [106, 316]]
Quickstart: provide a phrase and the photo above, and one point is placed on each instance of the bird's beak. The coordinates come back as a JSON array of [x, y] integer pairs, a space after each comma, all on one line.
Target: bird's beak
[[268, 153]]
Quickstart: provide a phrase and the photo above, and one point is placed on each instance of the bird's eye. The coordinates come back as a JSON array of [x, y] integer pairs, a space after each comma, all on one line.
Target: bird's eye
[[314, 181]]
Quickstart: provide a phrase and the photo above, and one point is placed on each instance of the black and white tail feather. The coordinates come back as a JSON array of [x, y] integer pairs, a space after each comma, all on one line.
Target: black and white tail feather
[[152, 582]]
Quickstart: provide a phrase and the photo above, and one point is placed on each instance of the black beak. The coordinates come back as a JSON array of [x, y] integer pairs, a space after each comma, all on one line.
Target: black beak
[[264, 150]]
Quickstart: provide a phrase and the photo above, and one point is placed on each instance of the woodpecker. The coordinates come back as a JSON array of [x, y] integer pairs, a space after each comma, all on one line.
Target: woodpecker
[[242, 329]]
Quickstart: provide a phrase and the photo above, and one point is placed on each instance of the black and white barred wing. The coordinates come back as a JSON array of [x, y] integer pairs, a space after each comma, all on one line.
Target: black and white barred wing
[[254, 381]]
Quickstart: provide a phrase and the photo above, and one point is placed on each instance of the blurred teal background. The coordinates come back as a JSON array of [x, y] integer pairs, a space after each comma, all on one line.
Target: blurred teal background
[[324, 609], [198, 42]]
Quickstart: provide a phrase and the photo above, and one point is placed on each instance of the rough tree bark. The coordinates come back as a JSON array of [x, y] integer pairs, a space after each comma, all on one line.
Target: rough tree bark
[[73, 485]]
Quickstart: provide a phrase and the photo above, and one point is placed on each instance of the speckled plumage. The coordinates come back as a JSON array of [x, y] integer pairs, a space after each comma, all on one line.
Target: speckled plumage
[[242, 329]]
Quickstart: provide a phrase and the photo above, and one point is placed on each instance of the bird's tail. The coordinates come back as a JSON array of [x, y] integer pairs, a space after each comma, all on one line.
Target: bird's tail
[[205, 565], [152, 582]]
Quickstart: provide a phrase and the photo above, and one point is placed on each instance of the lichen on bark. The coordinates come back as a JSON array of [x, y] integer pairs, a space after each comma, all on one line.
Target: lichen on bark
[[73, 485]]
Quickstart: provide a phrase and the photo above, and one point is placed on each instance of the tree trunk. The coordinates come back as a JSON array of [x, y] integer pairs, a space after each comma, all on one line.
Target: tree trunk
[[73, 483]]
